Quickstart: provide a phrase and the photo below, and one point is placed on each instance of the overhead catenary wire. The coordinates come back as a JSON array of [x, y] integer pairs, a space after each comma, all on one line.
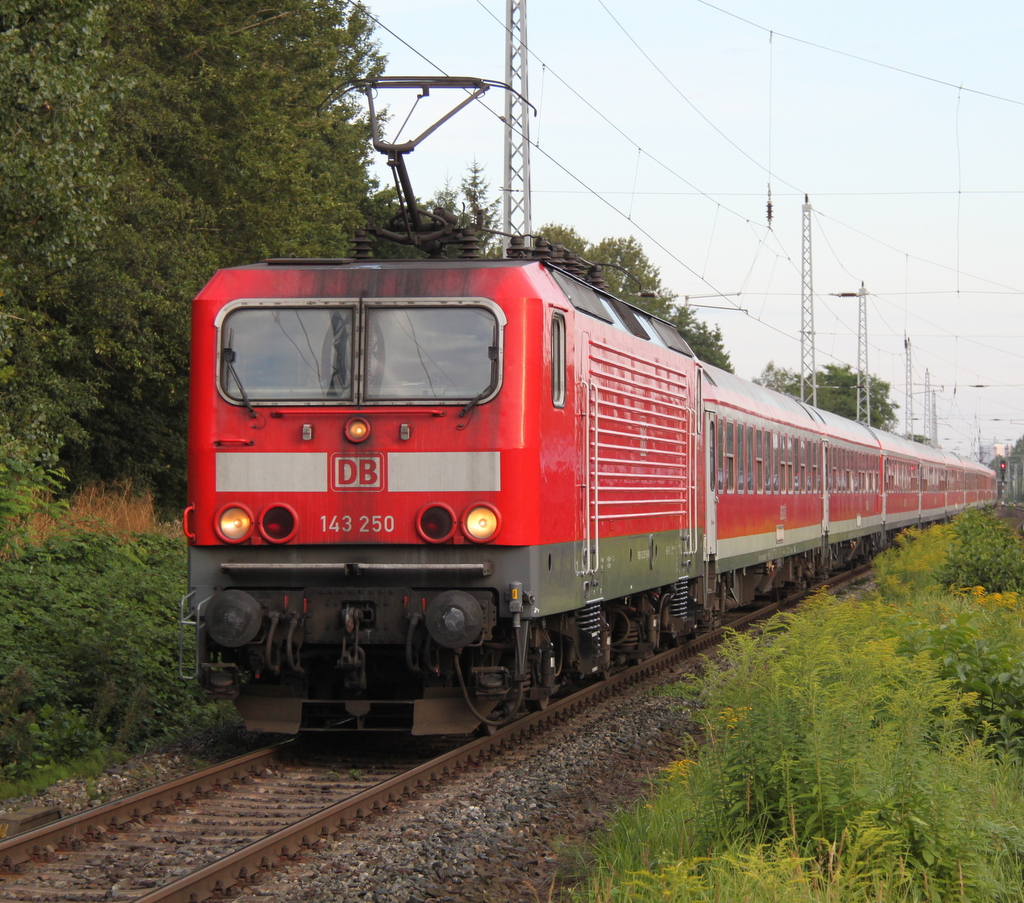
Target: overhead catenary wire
[[627, 212]]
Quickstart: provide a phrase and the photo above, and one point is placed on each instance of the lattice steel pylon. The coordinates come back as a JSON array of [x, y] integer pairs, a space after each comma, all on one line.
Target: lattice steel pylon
[[516, 213], [863, 377], [910, 387], [929, 400], [808, 364]]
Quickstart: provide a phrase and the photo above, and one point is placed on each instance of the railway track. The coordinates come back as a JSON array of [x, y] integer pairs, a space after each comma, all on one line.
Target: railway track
[[227, 830]]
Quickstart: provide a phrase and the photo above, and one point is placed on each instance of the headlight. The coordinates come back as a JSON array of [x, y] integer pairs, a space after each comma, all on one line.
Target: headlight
[[481, 523], [233, 523], [278, 523]]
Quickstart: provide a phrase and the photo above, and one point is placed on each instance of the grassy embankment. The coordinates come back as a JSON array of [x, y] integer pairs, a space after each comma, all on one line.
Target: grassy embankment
[[89, 641], [861, 750]]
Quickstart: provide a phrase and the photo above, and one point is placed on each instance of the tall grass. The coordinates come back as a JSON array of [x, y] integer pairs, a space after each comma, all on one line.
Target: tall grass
[[859, 750], [114, 508]]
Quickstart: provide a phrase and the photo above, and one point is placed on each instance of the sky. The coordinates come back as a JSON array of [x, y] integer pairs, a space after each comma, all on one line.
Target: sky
[[902, 121]]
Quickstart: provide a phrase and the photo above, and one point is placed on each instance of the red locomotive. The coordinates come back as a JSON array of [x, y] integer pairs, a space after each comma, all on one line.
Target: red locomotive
[[424, 493]]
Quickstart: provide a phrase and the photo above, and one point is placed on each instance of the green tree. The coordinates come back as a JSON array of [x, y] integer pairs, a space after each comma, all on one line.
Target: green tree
[[837, 391], [56, 86], [220, 133], [473, 206], [628, 271]]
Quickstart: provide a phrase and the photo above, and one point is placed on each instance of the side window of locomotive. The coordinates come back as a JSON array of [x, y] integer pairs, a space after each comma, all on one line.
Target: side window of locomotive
[[433, 353], [287, 354], [558, 360]]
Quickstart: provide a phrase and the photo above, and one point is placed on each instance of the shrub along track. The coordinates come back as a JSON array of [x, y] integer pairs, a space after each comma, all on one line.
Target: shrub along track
[[234, 829]]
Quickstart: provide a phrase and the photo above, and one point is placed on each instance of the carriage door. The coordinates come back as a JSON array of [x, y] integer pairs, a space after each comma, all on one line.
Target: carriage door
[[825, 486], [713, 436], [586, 548]]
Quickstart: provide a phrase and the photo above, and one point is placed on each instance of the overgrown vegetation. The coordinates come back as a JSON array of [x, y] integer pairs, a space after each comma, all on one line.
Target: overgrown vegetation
[[858, 750], [89, 638]]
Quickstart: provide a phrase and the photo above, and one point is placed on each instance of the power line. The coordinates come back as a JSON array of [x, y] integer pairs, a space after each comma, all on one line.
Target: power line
[[938, 81]]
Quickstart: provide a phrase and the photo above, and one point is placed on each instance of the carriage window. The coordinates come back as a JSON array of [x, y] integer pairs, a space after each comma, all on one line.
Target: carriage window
[[558, 360], [759, 451], [780, 484], [730, 457], [740, 458], [721, 455], [286, 354], [750, 459], [437, 353], [775, 462], [792, 465]]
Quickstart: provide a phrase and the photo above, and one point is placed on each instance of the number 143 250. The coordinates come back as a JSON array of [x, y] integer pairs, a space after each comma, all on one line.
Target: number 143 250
[[362, 524]]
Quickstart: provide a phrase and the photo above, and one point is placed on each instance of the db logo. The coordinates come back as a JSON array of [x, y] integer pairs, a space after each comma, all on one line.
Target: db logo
[[358, 473]]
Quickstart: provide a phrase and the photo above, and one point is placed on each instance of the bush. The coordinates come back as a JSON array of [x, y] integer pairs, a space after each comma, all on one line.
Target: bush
[[89, 647], [836, 766], [984, 551]]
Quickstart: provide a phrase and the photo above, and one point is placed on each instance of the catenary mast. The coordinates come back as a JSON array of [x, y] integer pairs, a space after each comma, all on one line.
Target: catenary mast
[[516, 214], [808, 364]]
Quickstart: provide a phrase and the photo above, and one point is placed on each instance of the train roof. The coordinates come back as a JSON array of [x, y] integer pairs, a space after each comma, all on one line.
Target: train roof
[[729, 388], [588, 298]]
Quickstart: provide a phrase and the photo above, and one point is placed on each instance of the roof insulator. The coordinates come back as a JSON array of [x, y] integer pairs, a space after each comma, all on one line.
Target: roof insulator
[[469, 245], [516, 248], [361, 245], [595, 276]]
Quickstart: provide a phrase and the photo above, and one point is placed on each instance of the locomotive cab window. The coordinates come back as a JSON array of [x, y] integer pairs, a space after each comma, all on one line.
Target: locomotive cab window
[[286, 354], [558, 360], [410, 353], [429, 353]]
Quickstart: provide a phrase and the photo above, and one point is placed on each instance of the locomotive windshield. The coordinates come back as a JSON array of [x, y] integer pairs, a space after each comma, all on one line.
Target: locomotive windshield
[[434, 353], [272, 353]]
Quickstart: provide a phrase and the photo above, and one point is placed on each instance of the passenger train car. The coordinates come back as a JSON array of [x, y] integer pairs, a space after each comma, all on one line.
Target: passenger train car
[[425, 493]]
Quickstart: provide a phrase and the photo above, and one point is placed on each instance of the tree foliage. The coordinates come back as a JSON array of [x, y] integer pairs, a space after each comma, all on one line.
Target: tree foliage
[[628, 271], [837, 391], [144, 147]]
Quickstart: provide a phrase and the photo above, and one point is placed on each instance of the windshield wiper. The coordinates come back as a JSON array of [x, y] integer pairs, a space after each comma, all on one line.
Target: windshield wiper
[[228, 356], [472, 404], [492, 353]]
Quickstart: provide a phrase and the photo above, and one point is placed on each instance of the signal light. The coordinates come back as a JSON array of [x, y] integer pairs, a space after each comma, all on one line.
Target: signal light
[[233, 523], [357, 430], [481, 523], [278, 523], [436, 523]]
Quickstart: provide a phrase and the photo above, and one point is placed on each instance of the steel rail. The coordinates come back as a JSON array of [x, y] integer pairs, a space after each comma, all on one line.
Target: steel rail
[[94, 822]]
